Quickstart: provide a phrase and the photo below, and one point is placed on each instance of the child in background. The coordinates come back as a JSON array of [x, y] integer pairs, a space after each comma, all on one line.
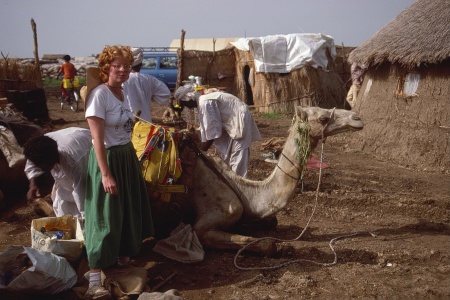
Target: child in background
[[68, 70]]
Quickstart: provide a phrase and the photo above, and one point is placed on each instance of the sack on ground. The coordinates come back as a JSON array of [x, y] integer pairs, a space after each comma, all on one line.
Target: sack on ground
[[33, 271], [172, 294], [62, 236], [182, 245], [126, 282], [10, 148]]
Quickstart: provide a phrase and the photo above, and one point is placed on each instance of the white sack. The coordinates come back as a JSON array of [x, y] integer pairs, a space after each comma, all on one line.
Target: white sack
[[182, 245], [49, 274]]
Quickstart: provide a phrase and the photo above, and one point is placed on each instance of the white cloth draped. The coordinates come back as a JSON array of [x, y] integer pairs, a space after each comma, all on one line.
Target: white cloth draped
[[285, 53]]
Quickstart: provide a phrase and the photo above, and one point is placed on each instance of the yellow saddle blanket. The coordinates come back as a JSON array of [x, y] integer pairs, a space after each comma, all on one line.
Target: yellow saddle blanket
[[157, 149]]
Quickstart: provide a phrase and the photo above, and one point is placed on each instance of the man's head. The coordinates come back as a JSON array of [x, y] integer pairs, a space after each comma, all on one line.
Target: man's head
[[42, 151], [189, 103], [138, 56], [67, 57]]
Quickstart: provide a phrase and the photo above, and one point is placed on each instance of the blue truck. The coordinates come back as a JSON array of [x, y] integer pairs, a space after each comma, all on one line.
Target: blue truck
[[162, 63]]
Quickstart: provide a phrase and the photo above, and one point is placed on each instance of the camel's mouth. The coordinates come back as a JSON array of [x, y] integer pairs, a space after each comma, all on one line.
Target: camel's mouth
[[354, 124], [356, 128], [357, 124]]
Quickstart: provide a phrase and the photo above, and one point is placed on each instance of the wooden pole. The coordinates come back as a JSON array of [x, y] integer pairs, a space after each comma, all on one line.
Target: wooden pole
[[37, 65], [180, 59], [210, 62]]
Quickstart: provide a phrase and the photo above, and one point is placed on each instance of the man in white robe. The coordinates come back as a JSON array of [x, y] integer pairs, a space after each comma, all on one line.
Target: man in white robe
[[143, 88], [227, 123], [65, 154]]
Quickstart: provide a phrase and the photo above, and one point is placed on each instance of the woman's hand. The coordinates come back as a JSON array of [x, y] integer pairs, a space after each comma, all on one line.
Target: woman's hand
[[109, 184]]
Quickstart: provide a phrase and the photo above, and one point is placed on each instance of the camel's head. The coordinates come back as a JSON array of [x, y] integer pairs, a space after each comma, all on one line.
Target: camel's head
[[327, 122]]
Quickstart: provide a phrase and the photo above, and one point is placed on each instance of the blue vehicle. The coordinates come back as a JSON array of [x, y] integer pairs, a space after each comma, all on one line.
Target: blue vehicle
[[162, 65]]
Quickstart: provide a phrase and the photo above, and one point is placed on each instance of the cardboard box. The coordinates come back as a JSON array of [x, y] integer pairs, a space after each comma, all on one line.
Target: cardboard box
[[71, 249]]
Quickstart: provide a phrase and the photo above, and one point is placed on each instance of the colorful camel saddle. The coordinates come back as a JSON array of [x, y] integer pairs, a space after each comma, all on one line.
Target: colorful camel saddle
[[157, 149]]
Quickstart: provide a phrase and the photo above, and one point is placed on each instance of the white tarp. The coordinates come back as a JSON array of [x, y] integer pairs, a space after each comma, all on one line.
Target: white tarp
[[284, 53], [205, 44]]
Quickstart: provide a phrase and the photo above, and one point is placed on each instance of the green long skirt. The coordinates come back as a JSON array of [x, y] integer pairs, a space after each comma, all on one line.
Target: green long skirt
[[116, 225]]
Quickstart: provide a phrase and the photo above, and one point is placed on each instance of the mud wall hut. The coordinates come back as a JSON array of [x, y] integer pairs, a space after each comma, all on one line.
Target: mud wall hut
[[313, 80], [405, 98]]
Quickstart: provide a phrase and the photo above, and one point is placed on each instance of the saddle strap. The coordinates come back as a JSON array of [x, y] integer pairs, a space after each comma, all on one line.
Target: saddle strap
[[211, 166], [169, 188]]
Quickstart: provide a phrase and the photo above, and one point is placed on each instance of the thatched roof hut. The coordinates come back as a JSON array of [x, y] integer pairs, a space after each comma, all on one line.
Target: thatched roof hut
[[419, 35], [234, 69], [405, 98]]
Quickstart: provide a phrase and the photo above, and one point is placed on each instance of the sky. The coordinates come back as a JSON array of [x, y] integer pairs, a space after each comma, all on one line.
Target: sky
[[83, 27]]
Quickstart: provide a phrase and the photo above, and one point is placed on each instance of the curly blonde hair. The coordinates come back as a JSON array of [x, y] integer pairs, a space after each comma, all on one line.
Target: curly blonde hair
[[109, 54]]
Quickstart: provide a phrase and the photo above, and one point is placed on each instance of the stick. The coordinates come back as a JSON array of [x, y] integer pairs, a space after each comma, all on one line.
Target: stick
[[163, 282]]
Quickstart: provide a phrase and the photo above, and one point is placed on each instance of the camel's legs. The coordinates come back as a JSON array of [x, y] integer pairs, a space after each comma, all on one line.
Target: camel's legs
[[222, 240], [220, 216]]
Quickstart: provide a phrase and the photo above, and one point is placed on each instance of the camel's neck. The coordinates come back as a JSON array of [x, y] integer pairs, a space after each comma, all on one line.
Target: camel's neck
[[264, 198]]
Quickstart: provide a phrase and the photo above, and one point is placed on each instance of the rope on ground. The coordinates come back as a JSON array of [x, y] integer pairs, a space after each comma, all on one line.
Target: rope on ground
[[331, 243]]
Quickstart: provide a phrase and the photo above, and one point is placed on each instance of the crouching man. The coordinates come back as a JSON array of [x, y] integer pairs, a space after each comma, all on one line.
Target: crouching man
[[227, 123], [64, 153]]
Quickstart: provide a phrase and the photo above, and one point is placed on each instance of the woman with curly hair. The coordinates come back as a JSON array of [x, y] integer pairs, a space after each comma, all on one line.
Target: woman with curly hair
[[117, 209]]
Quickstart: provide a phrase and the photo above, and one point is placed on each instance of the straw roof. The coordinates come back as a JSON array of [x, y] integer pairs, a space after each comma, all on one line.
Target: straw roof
[[418, 35]]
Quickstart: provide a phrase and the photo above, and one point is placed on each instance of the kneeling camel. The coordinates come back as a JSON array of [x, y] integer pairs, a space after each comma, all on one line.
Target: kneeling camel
[[219, 204]]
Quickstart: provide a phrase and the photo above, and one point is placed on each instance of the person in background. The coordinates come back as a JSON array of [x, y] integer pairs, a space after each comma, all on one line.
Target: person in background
[[227, 123], [64, 153], [186, 92], [68, 70], [141, 88], [117, 209], [185, 96], [357, 73]]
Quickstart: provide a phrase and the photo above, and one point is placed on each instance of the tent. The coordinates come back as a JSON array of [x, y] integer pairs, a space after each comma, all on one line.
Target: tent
[[405, 97]]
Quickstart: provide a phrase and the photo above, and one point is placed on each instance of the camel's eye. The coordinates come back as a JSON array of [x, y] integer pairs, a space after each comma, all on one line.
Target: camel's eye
[[324, 119]]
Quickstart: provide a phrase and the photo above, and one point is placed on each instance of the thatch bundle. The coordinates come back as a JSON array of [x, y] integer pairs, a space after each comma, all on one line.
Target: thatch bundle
[[413, 38], [16, 75]]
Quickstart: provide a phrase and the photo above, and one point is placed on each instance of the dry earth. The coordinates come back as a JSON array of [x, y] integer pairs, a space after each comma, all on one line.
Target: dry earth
[[407, 211]]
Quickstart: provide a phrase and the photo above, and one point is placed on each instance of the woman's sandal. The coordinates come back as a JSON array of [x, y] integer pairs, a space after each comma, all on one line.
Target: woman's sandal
[[130, 263]]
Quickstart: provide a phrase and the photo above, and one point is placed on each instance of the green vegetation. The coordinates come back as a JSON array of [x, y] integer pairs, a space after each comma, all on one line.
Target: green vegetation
[[53, 82], [272, 115]]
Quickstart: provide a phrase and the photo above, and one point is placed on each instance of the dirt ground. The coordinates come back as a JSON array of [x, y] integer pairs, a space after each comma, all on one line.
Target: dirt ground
[[400, 217]]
